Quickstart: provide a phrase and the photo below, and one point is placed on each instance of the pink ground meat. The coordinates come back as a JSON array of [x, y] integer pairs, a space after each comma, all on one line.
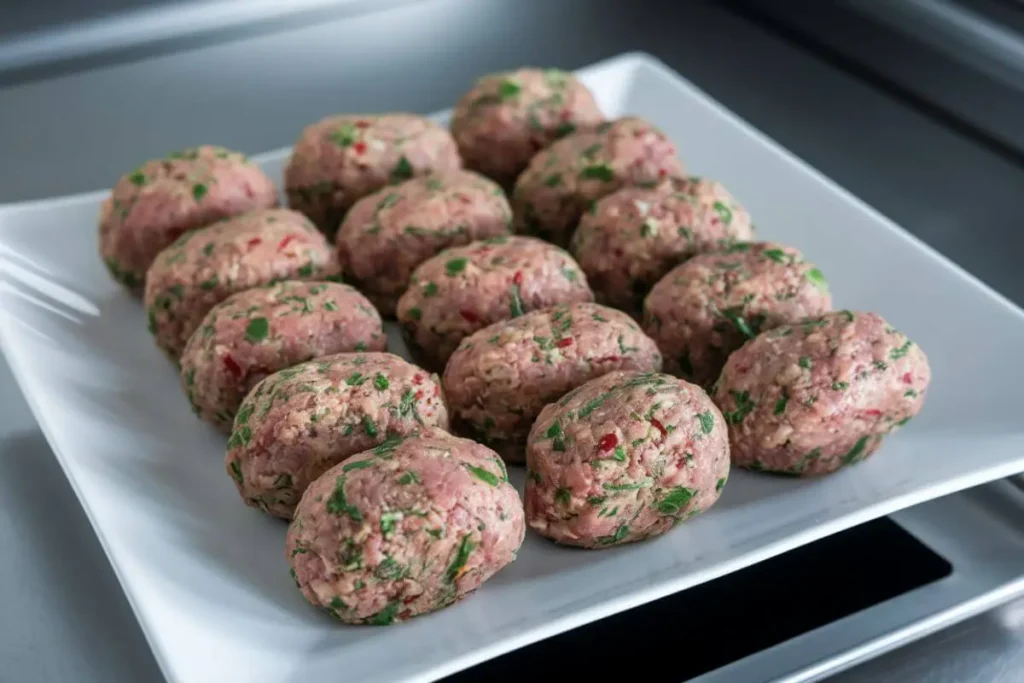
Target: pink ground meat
[[406, 528]]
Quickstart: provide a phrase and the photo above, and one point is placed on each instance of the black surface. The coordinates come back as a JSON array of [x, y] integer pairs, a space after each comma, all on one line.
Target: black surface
[[711, 625]]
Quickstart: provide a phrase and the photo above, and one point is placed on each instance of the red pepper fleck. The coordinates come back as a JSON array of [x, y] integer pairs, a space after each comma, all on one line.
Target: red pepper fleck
[[660, 427], [233, 367], [417, 379], [607, 442], [742, 370], [359, 147], [285, 242], [608, 359], [409, 599], [565, 114], [255, 241], [464, 199], [362, 124], [562, 343], [517, 279], [873, 413], [405, 614], [418, 395], [662, 173], [908, 378], [469, 316]]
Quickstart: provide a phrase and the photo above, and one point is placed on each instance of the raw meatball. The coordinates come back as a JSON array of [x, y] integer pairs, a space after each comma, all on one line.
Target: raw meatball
[[340, 159], [709, 306], [206, 266], [502, 122], [562, 181], [623, 458], [404, 529], [151, 206], [464, 289], [257, 332], [500, 377], [812, 396], [636, 235], [299, 422], [388, 233]]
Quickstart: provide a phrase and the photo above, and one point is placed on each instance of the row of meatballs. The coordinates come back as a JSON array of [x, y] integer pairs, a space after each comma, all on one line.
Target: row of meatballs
[[393, 516]]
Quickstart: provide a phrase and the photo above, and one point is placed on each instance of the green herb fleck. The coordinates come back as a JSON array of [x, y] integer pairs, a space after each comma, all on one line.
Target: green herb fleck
[[337, 504], [369, 427], [840, 386], [199, 191], [430, 289], [355, 379], [508, 89], [563, 496], [455, 266], [776, 255], [620, 454], [856, 451], [707, 421], [257, 330], [466, 546], [483, 475], [236, 472], [409, 477], [676, 500], [602, 172], [620, 534], [356, 465], [402, 171], [743, 407], [816, 278], [516, 305], [720, 484], [896, 354], [805, 362], [380, 382], [345, 135], [780, 405]]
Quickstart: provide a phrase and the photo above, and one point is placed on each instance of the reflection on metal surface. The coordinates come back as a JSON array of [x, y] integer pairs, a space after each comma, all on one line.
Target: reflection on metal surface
[[958, 31], [142, 26]]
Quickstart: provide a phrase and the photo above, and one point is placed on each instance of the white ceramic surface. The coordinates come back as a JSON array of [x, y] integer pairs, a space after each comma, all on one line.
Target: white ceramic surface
[[207, 576]]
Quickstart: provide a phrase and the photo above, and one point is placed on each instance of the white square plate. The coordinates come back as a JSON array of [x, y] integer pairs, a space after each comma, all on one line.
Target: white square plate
[[207, 576]]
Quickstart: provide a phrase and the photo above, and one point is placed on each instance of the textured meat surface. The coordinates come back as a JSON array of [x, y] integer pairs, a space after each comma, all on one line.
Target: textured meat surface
[[151, 206], [204, 267], [812, 396], [404, 529], [257, 332], [464, 289], [501, 377], [303, 420], [388, 233], [562, 181], [705, 309], [340, 159], [508, 117], [636, 235], [623, 458]]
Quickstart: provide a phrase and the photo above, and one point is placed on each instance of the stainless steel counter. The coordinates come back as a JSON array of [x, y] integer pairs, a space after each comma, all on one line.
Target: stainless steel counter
[[64, 615]]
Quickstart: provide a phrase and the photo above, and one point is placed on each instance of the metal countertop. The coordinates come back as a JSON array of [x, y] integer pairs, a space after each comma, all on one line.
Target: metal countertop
[[65, 617]]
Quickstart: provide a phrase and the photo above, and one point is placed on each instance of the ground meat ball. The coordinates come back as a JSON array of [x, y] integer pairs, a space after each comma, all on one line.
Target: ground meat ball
[[810, 397], [406, 528], [388, 233], [257, 332], [502, 122], [299, 422], [636, 235], [464, 289], [709, 306], [151, 206], [623, 458], [340, 159], [501, 377], [206, 266], [563, 181]]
